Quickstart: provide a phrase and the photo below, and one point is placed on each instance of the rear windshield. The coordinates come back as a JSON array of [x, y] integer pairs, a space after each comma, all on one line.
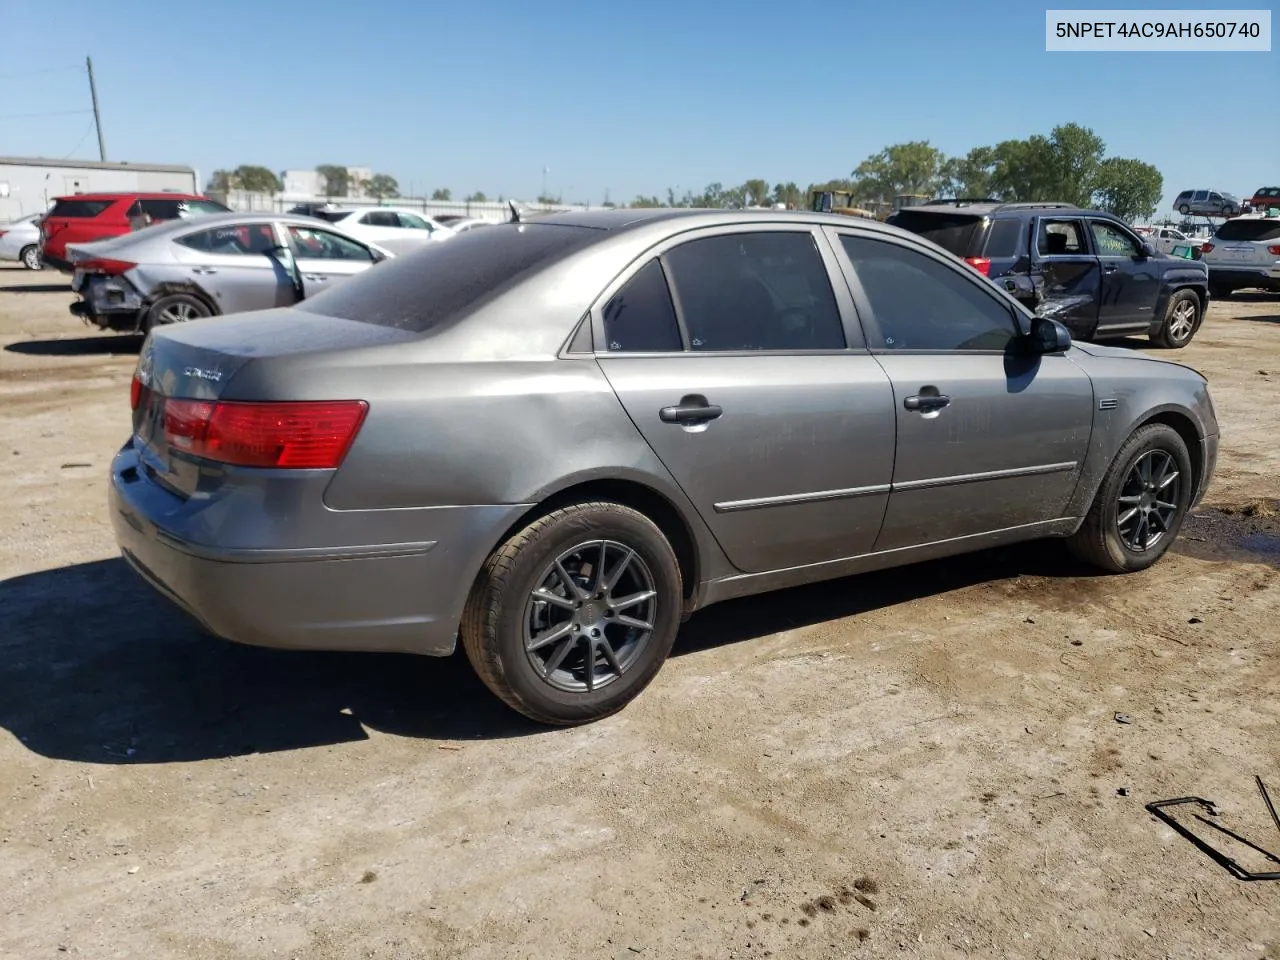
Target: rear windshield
[[951, 231], [83, 209], [431, 287], [1250, 230]]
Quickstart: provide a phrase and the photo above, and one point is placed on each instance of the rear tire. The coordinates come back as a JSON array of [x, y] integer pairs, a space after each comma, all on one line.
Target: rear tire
[[1184, 210], [176, 308], [30, 257], [1181, 321], [1111, 537], [582, 653]]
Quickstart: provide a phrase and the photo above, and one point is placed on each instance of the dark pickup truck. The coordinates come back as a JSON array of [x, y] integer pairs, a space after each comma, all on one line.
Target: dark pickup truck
[[1085, 268]]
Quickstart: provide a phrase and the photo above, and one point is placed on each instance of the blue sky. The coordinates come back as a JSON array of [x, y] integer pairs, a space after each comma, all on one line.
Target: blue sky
[[619, 96]]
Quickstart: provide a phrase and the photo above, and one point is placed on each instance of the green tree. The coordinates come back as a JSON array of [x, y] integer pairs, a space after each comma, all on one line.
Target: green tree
[[337, 181], [220, 181], [915, 167], [382, 186], [1061, 167], [1128, 188], [444, 193], [647, 202], [757, 192], [972, 175], [788, 193], [1023, 169], [1077, 156], [255, 179], [477, 197]]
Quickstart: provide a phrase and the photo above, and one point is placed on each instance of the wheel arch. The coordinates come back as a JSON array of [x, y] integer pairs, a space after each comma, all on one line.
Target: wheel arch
[[163, 290], [1185, 427], [638, 496]]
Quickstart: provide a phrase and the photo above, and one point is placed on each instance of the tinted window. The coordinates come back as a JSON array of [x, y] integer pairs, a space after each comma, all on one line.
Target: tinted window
[[921, 304], [380, 218], [1059, 237], [312, 244], [1111, 241], [755, 291], [172, 209], [413, 221], [1002, 238], [438, 284], [1241, 229], [953, 232], [640, 317], [235, 239], [79, 208]]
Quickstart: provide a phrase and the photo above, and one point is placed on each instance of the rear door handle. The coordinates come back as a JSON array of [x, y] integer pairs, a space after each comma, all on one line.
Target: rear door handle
[[690, 410], [315, 276], [925, 404], [203, 270]]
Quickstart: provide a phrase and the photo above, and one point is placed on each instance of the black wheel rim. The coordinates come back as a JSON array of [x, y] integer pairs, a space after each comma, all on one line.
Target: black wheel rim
[[1148, 502], [590, 616]]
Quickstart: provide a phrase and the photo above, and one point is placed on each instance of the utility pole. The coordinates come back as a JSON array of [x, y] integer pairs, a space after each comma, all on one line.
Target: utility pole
[[97, 117]]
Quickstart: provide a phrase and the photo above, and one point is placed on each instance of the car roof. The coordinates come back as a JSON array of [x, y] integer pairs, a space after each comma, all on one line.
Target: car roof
[[138, 194]]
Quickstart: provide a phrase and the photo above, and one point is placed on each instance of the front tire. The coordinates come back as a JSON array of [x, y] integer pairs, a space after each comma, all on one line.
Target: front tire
[[573, 616], [1184, 210], [30, 257], [1140, 504], [1181, 320]]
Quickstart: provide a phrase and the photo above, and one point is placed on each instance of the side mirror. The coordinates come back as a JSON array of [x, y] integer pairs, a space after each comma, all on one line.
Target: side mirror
[[1048, 336], [1148, 249], [284, 257]]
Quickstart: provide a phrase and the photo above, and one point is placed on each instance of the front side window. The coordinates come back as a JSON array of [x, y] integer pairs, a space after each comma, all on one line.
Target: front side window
[[1111, 241], [1058, 238], [755, 291], [921, 304], [312, 244], [640, 318], [412, 221]]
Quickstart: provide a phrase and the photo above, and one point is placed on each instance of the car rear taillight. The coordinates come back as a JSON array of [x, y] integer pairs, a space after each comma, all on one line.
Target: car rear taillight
[[135, 392], [303, 435], [981, 264], [1274, 250], [1206, 247], [112, 268]]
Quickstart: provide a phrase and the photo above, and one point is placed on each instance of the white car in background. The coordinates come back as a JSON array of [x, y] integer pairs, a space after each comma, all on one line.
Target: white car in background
[[20, 241], [1166, 238], [1245, 252], [394, 228]]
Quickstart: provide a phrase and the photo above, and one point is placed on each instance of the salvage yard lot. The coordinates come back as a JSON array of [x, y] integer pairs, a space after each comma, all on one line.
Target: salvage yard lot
[[926, 761]]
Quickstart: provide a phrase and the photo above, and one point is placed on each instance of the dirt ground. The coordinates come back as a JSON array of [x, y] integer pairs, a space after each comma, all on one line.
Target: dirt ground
[[926, 762]]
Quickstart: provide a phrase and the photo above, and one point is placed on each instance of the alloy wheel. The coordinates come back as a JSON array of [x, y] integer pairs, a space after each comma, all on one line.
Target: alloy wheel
[[31, 258], [179, 312], [1148, 502], [1183, 320], [590, 616]]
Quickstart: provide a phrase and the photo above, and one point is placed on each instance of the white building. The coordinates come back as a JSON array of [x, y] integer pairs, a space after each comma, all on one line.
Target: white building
[[30, 184], [308, 184]]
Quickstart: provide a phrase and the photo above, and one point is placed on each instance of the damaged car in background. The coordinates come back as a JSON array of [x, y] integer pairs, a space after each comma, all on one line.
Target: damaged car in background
[[1087, 269], [222, 263]]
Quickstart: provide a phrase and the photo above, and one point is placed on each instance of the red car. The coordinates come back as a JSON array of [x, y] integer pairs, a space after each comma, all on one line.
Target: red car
[[1264, 198], [86, 217]]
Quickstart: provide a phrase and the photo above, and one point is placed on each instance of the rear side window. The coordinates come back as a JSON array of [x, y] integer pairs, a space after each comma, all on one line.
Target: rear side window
[[954, 232], [79, 209], [1002, 239], [238, 239], [380, 218], [755, 291], [639, 318], [1244, 230], [436, 285], [172, 209]]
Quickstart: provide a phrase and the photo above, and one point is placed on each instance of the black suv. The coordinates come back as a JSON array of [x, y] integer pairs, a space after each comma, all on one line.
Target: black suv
[[1085, 268]]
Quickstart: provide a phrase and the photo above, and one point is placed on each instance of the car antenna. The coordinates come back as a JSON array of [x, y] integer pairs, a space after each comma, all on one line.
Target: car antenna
[[517, 212]]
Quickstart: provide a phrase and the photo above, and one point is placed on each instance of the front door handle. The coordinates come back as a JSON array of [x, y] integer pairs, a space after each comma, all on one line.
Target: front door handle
[[690, 410], [925, 404], [316, 276], [203, 270]]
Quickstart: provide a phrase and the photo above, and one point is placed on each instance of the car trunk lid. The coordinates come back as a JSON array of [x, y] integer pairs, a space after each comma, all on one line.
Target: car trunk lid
[[196, 361]]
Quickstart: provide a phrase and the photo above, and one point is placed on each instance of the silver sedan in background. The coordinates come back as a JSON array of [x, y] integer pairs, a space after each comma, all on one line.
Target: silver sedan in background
[[221, 263], [553, 440]]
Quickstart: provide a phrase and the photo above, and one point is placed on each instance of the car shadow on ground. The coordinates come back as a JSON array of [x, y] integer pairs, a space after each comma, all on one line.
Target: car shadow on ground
[[95, 667], [79, 346], [38, 288]]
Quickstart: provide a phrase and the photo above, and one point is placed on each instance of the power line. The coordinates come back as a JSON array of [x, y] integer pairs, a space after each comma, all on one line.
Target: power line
[[34, 73], [53, 113], [87, 130]]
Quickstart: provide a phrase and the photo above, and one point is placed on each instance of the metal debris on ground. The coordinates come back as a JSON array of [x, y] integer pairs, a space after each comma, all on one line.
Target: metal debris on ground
[[1158, 808]]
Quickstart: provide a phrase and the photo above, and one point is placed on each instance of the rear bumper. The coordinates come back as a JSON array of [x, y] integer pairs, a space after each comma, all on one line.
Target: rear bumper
[[404, 596], [1237, 278], [111, 303]]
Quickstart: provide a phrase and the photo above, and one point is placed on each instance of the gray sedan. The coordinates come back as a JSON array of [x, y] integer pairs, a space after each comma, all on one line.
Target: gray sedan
[[221, 263], [556, 440]]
